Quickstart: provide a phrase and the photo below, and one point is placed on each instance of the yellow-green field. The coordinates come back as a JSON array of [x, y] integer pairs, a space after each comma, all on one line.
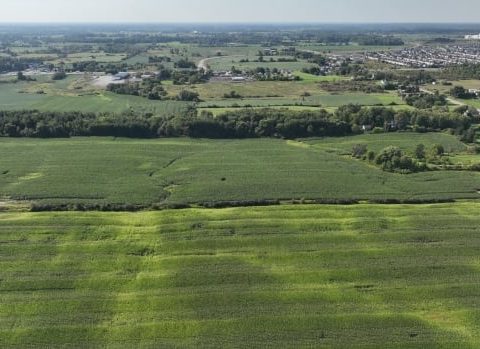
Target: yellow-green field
[[364, 276]]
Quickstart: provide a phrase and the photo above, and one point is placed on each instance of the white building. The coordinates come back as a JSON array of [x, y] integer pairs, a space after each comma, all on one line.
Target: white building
[[472, 37], [238, 79]]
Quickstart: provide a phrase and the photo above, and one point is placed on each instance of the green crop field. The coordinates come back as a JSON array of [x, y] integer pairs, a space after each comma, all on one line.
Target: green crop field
[[252, 237], [106, 170], [364, 276]]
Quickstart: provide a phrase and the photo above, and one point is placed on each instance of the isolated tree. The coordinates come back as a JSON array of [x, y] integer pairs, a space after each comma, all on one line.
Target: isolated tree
[[470, 135], [21, 76], [188, 96], [260, 56], [59, 75], [420, 151], [438, 150]]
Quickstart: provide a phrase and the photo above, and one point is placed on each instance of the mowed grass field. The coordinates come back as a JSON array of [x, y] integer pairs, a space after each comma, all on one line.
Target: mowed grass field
[[262, 93], [363, 276], [407, 141], [142, 172], [227, 62], [322, 99], [60, 96]]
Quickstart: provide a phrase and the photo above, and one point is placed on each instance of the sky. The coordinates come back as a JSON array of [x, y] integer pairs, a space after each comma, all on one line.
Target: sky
[[278, 11]]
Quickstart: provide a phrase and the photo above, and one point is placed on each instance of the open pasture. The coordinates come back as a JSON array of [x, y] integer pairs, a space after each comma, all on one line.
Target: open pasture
[[58, 96], [226, 63], [98, 56], [223, 110], [266, 93], [344, 49]]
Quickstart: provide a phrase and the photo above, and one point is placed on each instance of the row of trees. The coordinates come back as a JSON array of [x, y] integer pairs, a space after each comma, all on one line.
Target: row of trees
[[419, 120], [242, 123]]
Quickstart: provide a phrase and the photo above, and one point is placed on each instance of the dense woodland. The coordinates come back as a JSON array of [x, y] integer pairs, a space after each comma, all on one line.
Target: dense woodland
[[242, 123], [10, 64]]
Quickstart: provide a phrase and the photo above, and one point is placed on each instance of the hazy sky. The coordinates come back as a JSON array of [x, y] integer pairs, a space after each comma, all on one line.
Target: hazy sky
[[239, 11]]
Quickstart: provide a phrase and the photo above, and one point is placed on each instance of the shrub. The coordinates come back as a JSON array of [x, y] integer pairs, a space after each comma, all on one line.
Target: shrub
[[359, 150], [188, 96], [59, 75], [420, 151], [438, 150]]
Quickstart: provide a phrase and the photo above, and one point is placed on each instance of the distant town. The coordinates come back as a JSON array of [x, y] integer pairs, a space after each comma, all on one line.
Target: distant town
[[430, 56]]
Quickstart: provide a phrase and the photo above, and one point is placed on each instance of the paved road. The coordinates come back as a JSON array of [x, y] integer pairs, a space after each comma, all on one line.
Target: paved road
[[203, 64]]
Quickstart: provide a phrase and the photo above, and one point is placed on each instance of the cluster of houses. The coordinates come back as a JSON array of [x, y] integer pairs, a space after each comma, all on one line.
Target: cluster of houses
[[228, 76], [283, 51], [429, 56]]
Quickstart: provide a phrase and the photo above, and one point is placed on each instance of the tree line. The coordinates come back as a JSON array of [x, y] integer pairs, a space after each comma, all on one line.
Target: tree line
[[241, 123]]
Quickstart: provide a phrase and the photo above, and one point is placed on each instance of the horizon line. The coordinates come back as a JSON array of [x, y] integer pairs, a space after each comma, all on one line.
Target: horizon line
[[231, 22]]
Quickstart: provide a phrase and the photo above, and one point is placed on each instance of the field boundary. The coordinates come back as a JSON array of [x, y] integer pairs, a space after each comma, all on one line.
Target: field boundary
[[37, 207]]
